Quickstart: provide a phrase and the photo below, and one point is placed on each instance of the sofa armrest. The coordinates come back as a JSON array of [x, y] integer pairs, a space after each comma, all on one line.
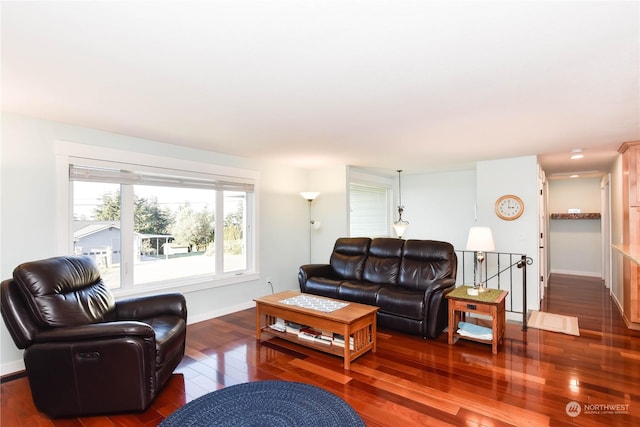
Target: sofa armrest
[[312, 270], [438, 289], [442, 284], [152, 306], [96, 331], [437, 306]]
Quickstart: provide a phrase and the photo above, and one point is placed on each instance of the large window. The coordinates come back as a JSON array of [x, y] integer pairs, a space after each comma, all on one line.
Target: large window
[[149, 226]]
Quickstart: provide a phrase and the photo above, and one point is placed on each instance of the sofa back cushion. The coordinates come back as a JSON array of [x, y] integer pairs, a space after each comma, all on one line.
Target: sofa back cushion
[[426, 261], [348, 256], [64, 291], [383, 262]]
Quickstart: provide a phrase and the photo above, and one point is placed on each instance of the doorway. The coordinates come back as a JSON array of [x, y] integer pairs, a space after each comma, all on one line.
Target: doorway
[[577, 227]]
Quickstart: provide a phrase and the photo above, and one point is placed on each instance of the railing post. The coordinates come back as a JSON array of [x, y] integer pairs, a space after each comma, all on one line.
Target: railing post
[[523, 265]]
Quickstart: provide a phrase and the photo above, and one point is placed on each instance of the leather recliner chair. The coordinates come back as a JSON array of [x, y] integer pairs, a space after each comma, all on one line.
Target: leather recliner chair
[[85, 353]]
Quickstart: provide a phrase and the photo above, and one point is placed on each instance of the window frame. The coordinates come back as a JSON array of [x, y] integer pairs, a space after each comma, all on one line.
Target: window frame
[[68, 153]]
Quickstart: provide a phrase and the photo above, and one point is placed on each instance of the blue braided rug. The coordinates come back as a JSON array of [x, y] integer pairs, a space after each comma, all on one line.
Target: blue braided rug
[[266, 403]]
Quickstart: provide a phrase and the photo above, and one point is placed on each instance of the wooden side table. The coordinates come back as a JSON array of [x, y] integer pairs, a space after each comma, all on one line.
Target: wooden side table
[[489, 303]]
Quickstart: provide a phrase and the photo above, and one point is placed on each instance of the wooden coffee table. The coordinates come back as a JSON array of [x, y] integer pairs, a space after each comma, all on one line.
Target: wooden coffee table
[[357, 321]]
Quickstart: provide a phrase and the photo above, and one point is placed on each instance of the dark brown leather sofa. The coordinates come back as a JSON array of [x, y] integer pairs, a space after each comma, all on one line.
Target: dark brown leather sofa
[[407, 280], [85, 353]]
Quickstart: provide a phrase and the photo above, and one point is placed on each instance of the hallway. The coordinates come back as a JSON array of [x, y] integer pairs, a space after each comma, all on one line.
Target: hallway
[[586, 298]]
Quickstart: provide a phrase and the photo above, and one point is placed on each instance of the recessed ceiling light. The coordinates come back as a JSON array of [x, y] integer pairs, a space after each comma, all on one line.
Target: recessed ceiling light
[[576, 154], [566, 174], [574, 176]]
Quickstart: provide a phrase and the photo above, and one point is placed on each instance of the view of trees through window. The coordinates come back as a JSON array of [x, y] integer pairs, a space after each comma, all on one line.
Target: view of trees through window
[[174, 230]]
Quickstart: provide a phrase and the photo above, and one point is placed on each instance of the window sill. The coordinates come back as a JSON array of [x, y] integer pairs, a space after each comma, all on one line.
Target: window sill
[[185, 285]]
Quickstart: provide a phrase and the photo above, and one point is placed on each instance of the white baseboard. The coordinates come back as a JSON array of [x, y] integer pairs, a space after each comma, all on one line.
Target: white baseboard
[[617, 303], [11, 367], [513, 317]]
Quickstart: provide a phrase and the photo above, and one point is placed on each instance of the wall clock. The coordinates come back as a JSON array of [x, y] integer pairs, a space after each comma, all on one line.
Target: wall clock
[[509, 207]]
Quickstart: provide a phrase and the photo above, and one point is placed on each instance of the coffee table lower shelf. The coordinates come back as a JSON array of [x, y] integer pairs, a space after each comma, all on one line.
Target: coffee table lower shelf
[[327, 348]]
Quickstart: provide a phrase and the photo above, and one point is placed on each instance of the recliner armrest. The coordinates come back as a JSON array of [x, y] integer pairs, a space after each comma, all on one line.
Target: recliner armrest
[[152, 306], [96, 331]]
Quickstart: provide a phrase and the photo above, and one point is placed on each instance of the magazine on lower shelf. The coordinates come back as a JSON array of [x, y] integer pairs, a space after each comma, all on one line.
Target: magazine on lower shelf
[[338, 340], [315, 335], [308, 333], [279, 326], [294, 328]]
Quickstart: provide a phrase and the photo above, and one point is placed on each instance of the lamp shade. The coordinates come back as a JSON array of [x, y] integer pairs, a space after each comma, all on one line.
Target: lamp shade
[[309, 195], [400, 226], [480, 239]]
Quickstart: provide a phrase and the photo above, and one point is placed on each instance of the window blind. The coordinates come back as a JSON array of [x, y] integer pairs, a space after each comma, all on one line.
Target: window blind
[[169, 178], [369, 213]]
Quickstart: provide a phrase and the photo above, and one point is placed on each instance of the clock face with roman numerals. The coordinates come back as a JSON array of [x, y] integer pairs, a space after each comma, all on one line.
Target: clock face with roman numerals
[[509, 207]]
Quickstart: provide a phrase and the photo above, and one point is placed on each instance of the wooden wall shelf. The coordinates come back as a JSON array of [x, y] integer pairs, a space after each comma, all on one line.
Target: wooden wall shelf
[[592, 215]]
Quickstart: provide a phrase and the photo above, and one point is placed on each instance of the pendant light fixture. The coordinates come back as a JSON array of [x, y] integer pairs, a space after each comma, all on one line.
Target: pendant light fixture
[[400, 225]]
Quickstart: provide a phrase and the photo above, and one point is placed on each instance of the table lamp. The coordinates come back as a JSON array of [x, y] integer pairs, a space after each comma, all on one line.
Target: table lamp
[[480, 241]]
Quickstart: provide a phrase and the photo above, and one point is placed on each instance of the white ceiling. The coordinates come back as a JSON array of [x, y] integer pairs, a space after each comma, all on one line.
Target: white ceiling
[[416, 85]]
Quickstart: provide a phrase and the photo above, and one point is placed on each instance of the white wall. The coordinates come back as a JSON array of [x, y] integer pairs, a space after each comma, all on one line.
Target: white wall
[[330, 208], [517, 176], [575, 245], [439, 206], [583, 194], [28, 217]]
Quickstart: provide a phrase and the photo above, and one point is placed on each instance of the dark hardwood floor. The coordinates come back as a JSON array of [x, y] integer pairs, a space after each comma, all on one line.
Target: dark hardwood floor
[[414, 382]]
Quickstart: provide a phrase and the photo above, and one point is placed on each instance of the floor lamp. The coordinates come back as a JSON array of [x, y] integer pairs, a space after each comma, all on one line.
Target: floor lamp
[[310, 196]]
